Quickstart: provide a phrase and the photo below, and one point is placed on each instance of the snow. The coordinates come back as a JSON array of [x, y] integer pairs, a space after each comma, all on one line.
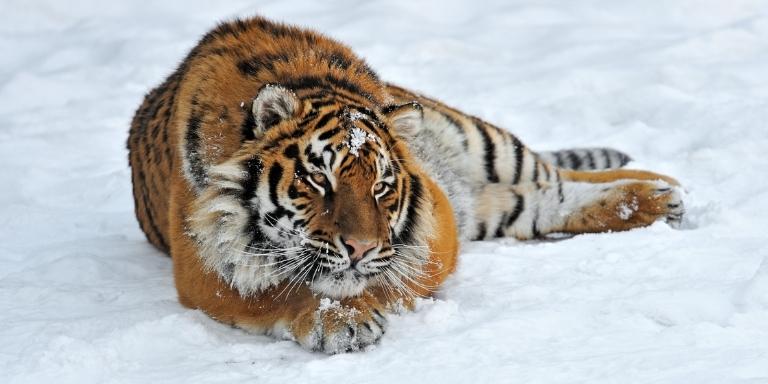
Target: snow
[[356, 138], [682, 86]]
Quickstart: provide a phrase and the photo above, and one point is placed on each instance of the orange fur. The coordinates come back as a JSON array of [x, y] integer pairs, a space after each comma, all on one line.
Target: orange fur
[[628, 206], [608, 176]]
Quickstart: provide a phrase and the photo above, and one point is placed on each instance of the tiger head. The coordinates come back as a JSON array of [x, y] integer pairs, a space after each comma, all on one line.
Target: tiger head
[[325, 194]]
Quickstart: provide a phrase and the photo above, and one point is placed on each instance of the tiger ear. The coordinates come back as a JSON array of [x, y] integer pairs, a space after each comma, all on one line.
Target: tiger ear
[[273, 105], [406, 119]]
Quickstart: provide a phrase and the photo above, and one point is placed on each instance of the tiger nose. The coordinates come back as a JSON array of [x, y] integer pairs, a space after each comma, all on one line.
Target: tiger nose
[[359, 248]]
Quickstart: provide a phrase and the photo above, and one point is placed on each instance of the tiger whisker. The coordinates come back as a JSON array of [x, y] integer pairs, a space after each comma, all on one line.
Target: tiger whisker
[[284, 271], [399, 284], [420, 272], [285, 230], [411, 279], [302, 277], [292, 280]]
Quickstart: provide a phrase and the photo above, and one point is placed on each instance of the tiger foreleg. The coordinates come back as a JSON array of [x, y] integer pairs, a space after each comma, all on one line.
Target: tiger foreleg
[[345, 325], [292, 311], [289, 310]]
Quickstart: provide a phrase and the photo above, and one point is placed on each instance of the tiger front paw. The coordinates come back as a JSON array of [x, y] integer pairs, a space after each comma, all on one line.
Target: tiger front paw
[[341, 326]]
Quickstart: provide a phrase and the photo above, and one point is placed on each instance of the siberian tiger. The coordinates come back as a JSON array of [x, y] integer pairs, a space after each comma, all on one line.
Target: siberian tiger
[[299, 195]]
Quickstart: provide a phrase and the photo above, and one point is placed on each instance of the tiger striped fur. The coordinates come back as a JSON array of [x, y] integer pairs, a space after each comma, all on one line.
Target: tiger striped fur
[[586, 159], [298, 195]]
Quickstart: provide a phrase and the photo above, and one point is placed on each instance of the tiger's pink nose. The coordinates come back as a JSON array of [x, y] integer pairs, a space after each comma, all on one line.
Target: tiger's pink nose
[[359, 248]]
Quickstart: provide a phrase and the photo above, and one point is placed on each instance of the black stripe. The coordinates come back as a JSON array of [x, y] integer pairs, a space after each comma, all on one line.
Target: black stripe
[[248, 125], [623, 158], [500, 226], [329, 148], [414, 202], [480, 231], [489, 154], [459, 127], [194, 159], [252, 66], [324, 119], [317, 104], [328, 96], [590, 160], [293, 192], [535, 227], [291, 151], [517, 211], [546, 171], [308, 117], [312, 158], [518, 159], [607, 157], [328, 81], [558, 158], [299, 170], [367, 112], [328, 134], [574, 159], [254, 167], [347, 164], [368, 124], [535, 176], [275, 142], [275, 174], [149, 216], [558, 179]]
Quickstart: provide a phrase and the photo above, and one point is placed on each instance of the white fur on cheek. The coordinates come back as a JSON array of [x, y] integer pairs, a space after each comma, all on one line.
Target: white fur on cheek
[[218, 226]]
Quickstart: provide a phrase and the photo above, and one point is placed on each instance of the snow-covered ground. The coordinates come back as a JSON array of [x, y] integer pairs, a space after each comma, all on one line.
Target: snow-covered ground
[[680, 85]]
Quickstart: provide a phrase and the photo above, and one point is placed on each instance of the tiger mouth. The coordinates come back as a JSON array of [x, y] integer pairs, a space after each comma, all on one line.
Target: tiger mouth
[[341, 284], [334, 275], [349, 273]]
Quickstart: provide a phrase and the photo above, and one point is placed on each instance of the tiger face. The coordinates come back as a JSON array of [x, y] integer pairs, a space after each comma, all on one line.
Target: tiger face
[[325, 195]]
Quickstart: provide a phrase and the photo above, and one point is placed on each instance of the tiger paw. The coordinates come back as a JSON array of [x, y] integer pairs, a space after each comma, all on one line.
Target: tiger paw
[[341, 326], [642, 203], [675, 209], [630, 205]]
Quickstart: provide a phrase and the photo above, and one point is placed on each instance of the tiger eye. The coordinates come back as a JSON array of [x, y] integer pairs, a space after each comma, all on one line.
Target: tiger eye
[[379, 187], [319, 178]]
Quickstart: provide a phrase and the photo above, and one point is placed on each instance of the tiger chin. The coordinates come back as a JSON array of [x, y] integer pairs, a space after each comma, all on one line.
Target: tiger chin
[[301, 196]]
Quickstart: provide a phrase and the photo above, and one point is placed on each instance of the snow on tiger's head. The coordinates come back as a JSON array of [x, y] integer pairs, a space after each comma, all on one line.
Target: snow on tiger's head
[[326, 194]]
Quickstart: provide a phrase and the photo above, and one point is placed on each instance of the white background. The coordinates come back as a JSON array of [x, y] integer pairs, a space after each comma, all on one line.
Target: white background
[[680, 85]]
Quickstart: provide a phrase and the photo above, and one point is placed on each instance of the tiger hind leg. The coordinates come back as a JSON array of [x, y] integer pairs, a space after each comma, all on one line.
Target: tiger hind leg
[[530, 210]]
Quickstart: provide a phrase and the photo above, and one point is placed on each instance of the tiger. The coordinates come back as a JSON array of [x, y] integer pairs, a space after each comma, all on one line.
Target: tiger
[[301, 196]]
